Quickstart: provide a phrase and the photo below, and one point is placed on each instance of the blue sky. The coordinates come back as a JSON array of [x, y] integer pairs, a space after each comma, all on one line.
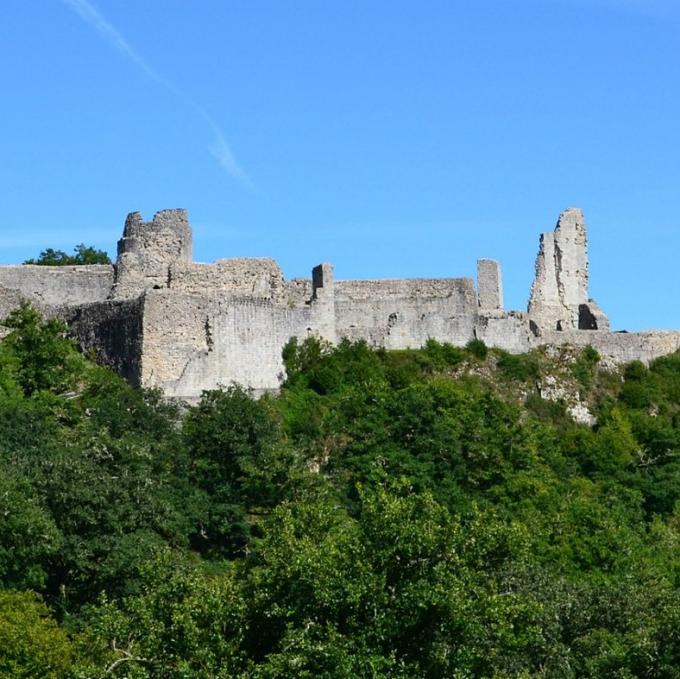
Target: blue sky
[[391, 138]]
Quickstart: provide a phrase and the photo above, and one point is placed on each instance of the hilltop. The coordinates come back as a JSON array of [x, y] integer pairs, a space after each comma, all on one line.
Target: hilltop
[[447, 511]]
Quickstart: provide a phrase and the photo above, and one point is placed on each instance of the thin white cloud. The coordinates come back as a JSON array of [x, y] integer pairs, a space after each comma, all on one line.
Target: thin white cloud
[[219, 149], [114, 37], [222, 152]]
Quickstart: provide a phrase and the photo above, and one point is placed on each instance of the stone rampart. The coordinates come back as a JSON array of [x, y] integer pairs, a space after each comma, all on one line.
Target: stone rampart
[[509, 331], [619, 347], [164, 321], [461, 291], [112, 332], [238, 278], [402, 314], [299, 291], [58, 285], [213, 342]]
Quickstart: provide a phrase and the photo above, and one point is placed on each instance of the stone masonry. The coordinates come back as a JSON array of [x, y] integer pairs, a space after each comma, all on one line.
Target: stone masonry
[[162, 320], [489, 285], [559, 296]]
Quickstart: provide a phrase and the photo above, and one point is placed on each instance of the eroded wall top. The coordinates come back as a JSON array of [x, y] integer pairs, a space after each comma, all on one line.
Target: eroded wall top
[[559, 295], [147, 250]]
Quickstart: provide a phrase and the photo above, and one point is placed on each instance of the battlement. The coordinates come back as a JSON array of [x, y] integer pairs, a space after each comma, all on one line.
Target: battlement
[[165, 321]]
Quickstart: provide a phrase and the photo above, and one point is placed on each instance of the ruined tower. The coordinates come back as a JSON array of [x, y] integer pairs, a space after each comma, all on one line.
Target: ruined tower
[[147, 250], [559, 295]]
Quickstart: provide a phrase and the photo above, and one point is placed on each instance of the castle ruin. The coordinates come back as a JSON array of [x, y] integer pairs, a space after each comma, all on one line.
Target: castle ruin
[[162, 320]]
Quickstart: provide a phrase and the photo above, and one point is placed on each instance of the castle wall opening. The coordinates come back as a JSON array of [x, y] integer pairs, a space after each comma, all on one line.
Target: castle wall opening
[[586, 318]]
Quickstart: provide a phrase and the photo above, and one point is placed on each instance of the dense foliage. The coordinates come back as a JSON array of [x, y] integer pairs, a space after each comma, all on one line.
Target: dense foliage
[[82, 254], [389, 514]]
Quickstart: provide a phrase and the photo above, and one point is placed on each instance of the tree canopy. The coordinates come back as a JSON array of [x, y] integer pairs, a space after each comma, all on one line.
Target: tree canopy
[[388, 514], [83, 254]]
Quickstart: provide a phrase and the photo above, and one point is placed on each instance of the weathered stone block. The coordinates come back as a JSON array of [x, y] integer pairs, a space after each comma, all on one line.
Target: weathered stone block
[[489, 285]]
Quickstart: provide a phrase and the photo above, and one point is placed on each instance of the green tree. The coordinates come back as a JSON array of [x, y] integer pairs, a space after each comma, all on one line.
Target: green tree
[[238, 461], [404, 588], [28, 535], [44, 358], [88, 462], [183, 623], [83, 254], [32, 645]]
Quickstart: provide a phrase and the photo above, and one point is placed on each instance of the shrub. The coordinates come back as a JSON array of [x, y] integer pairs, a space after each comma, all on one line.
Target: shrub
[[583, 368], [477, 348], [31, 643], [443, 354], [519, 367]]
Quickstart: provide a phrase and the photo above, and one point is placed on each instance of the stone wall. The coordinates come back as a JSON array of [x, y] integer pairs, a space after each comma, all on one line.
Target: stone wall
[[619, 347], [400, 314], [112, 332], [561, 283], [242, 278], [559, 295], [508, 331], [57, 285], [213, 342], [324, 316], [299, 291], [489, 285], [460, 290]]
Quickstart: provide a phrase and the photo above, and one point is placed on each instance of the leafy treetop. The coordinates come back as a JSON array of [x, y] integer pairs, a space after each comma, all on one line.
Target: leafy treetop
[[84, 254]]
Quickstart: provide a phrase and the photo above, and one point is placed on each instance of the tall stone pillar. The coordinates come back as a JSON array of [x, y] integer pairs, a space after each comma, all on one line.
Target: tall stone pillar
[[323, 301], [489, 285], [559, 295]]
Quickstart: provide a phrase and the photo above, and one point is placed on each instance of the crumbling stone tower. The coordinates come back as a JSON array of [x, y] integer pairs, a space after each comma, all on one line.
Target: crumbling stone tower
[[559, 295], [147, 251]]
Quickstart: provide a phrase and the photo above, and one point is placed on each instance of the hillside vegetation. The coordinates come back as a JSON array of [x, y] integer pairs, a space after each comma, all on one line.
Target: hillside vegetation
[[431, 513]]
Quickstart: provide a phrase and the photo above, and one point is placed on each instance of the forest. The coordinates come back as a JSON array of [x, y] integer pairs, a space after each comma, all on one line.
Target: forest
[[423, 513]]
